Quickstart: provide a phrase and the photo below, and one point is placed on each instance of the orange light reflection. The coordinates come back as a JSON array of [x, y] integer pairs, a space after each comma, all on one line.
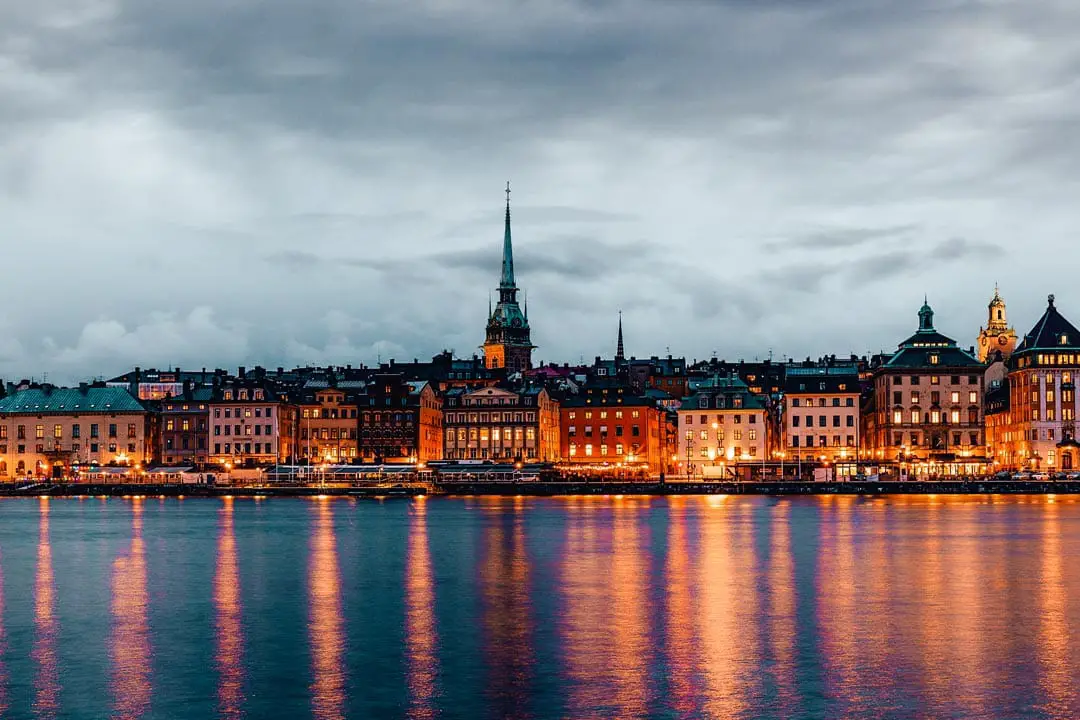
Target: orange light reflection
[[421, 640], [129, 644], [228, 626], [47, 674], [326, 622]]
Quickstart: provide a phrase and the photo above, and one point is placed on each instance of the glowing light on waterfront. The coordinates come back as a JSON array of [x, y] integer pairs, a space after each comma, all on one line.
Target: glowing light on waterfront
[[129, 642], [47, 672], [326, 624], [229, 633], [628, 610], [421, 632]]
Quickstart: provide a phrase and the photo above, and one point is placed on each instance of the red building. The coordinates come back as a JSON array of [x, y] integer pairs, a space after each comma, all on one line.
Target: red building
[[608, 426]]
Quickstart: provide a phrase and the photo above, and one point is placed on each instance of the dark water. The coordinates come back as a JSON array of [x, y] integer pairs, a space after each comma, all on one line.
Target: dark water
[[575, 607]]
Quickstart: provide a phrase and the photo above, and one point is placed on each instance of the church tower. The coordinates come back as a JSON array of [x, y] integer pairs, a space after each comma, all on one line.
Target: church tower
[[508, 343], [997, 335]]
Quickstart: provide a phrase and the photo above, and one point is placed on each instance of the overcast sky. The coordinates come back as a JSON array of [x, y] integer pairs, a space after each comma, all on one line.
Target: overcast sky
[[206, 183]]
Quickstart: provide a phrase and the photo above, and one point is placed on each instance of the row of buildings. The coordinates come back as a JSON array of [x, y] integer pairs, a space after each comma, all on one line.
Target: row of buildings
[[929, 408]]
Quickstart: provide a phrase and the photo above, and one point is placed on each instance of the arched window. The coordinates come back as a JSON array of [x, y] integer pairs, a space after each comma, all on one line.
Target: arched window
[[999, 314]]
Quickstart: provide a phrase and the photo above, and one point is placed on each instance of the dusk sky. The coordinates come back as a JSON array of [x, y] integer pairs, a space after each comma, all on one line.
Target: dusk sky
[[206, 183]]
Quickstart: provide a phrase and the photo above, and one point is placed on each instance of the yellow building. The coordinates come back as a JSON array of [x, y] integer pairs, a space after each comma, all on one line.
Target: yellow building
[[48, 431]]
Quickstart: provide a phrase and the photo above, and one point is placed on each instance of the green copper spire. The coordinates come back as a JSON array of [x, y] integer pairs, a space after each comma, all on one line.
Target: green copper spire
[[507, 280]]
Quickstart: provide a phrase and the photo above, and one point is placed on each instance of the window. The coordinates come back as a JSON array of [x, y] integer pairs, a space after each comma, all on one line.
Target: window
[[914, 417], [112, 430], [934, 358], [954, 417], [689, 434], [704, 435], [955, 397], [794, 441], [915, 398], [131, 431], [603, 448], [39, 431], [795, 402], [836, 421], [794, 421], [74, 430], [752, 435], [588, 449], [573, 449], [58, 431], [898, 416], [914, 379]]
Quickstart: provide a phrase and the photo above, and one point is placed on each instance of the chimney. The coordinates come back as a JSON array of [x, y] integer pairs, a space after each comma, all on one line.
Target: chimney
[[134, 385], [83, 388], [241, 372]]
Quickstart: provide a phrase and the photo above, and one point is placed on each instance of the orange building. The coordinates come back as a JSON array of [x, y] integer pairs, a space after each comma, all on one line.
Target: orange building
[[328, 427], [611, 426]]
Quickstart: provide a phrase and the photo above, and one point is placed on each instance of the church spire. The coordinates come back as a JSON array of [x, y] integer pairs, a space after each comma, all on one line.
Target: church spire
[[620, 354], [507, 280]]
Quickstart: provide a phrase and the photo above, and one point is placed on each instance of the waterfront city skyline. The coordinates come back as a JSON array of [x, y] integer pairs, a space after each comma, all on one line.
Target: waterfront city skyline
[[734, 177]]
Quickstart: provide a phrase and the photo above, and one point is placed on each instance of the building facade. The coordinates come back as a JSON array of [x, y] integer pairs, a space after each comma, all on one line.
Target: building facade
[[328, 427], [400, 420], [252, 423], [1035, 429], [820, 417], [927, 406], [54, 432], [185, 427], [997, 335], [501, 424], [611, 425], [722, 426], [508, 342]]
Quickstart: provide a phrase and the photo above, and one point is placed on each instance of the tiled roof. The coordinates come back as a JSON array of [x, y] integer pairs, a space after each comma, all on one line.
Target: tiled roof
[[1051, 332], [70, 400]]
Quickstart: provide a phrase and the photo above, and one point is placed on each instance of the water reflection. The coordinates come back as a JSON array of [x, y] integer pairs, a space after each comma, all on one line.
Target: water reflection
[[505, 606], [681, 646], [629, 621], [229, 634], [3, 646], [1057, 677], [326, 623], [782, 629], [47, 673], [726, 615], [421, 634], [129, 644]]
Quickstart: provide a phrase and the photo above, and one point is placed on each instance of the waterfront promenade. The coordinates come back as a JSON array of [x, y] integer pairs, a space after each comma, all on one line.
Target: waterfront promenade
[[547, 488]]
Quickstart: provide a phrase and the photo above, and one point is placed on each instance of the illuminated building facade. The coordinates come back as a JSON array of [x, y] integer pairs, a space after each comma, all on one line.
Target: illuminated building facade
[[400, 420], [821, 413], [252, 423], [501, 424], [721, 425], [48, 431], [328, 424], [609, 424], [927, 406], [185, 427], [1036, 427]]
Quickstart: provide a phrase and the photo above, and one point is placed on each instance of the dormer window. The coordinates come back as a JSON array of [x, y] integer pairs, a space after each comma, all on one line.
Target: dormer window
[[703, 402], [228, 395], [934, 358], [1064, 339]]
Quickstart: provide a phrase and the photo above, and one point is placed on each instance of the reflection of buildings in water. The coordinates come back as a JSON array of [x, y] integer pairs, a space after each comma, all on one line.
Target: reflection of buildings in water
[[680, 639], [129, 644], [421, 639], [839, 617], [1056, 659], [507, 617], [228, 625], [47, 675], [584, 620], [629, 578], [326, 623], [727, 624], [784, 624], [3, 645]]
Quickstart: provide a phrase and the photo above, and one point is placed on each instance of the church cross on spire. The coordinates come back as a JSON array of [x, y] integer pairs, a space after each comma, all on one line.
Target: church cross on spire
[[507, 280]]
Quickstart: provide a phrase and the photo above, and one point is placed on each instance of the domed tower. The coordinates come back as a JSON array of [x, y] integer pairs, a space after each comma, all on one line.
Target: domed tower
[[997, 335], [508, 343]]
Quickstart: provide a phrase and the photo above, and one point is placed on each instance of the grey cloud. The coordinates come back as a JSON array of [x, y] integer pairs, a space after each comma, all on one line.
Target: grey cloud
[[363, 147]]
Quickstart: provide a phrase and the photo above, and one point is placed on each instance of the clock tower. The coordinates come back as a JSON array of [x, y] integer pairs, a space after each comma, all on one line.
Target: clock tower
[[997, 335]]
